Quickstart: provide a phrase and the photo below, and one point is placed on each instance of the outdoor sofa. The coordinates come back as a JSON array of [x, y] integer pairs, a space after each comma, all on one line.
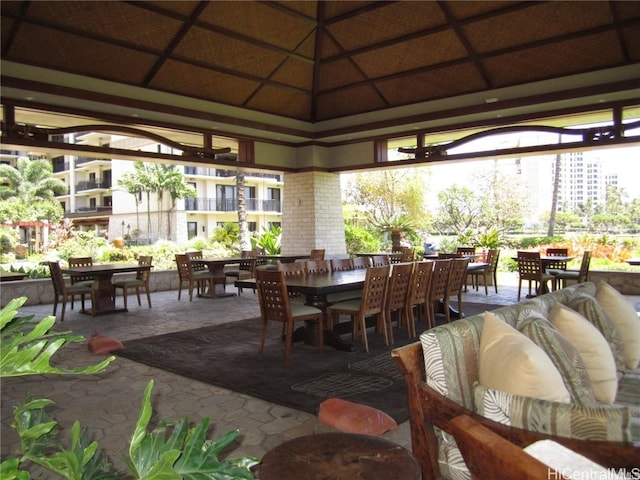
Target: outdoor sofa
[[442, 376]]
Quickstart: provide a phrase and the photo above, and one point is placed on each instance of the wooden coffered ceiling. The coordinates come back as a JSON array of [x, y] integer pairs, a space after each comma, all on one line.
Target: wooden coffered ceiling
[[314, 71]]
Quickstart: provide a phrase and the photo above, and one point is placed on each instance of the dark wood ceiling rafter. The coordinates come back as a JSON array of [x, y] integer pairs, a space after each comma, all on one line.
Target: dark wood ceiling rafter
[[225, 31], [289, 11], [275, 70], [429, 31], [315, 85], [358, 11], [472, 54], [623, 44], [484, 56], [184, 29], [16, 26], [84, 34]]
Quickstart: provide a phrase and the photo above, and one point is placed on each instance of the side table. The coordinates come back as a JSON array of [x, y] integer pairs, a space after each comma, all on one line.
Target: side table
[[339, 456]]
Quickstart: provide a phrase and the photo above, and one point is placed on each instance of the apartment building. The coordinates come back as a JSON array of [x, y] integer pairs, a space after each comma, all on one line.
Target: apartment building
[[96, 202]]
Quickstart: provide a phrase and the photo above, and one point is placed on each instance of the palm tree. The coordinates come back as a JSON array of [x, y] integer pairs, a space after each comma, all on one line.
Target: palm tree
[[129, 183], [245, 241], [29, 191], [31, 180], [176, 186], [144, 176]]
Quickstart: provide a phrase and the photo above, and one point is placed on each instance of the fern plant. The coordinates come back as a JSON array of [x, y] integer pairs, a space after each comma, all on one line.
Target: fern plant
[[172, 450]]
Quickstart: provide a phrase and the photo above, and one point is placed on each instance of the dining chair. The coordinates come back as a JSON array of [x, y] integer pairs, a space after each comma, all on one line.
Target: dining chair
[[380, 260], [190, 277], [246, 269], [79, 279], [361, 262], [418, 292], [578, 276], [275, 306], [64, 291], [455, 282], [559, 266], [317, 266], [466, 250], [370, 304], [487, 272], [438, 289], [317, 254], [141, 281], [205, 280], [530, 270], [396, 297], [293, 268], [341, 264]]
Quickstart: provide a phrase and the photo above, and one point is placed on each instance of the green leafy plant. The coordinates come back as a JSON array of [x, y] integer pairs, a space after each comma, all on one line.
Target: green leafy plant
[[269, 240], [172, 450]]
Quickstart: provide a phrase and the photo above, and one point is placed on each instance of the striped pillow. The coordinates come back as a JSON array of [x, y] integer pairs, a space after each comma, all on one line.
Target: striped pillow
[[563, 355], [588, 307]]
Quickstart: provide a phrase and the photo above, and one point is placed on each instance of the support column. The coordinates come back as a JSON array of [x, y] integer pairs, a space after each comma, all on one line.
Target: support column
[[312, 213]]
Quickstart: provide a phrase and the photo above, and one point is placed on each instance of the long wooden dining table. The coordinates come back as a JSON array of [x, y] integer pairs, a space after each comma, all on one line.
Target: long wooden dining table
[[315, 287], [104, 299]]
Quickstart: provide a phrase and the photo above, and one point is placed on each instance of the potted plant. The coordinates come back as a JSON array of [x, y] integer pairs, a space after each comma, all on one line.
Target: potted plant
[[172, 450], [396, 225]]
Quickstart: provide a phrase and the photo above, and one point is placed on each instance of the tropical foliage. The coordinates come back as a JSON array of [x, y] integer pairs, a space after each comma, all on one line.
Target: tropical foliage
[[171, 450]]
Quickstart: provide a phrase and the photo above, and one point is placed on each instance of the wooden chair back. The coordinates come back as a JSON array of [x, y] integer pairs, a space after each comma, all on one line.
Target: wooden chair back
[[374, 291], [396, 298], [75, 262], [583, 274], [196, 267], [273, 296], [466, 250], [184, 266], [557, 252], [144, 275], [457, 277], [317, 254], [317, 266], [380, 260], [361, 262], [59, 285], [341, 264], [529, 266], [418, 291], [438, 288], [292, 268]]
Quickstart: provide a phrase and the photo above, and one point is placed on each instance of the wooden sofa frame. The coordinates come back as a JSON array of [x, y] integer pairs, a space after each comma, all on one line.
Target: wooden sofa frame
[[429, 409]]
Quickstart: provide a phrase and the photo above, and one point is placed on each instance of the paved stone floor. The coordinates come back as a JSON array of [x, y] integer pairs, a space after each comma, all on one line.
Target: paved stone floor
[[109, 403]]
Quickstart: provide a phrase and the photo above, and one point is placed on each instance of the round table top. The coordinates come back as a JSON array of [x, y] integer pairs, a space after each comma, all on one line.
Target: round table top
[[339, 456]]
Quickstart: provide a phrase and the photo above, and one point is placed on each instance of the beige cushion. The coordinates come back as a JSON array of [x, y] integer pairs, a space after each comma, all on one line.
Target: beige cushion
[[593, 348], [512, 363], [623, 314]]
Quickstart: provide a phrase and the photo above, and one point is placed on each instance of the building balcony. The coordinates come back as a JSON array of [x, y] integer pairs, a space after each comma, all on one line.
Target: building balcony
[[223, 173], [202, 204], [92, 185], [86, 212]]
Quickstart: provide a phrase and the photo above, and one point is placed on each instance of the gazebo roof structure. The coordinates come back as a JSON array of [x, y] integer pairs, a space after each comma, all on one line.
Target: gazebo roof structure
[[316, 73]]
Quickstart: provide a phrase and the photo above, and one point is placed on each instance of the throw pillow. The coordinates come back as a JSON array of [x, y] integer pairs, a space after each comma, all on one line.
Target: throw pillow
[[512, 363], [563, 354], [593, 348], [587, 306], [100, 344], [355, 418], [622, 313]]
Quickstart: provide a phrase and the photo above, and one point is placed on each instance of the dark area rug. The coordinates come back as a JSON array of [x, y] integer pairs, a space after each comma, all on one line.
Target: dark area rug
[[227, 356]]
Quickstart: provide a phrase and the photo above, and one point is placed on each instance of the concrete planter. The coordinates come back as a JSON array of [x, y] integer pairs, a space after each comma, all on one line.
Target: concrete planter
[[40, 291]]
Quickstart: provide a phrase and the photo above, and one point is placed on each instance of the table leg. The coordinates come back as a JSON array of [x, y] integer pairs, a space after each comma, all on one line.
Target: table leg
[[219, 282], [309, 333], [104, 301]]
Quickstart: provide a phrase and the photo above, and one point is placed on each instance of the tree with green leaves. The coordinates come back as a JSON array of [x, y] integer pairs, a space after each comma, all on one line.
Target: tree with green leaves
[[390, 200], [28, 192], [130, 183]]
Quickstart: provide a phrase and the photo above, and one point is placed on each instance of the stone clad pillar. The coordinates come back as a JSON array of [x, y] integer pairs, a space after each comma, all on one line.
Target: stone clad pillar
[[312, 213]]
